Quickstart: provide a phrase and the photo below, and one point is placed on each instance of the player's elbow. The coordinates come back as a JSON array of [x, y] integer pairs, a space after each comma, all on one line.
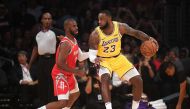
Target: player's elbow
[[183, 86], [105, 78]]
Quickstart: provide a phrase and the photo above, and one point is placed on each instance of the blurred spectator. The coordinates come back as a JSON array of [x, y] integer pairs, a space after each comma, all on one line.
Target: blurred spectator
[[147, 71], [34, 9], [7, 40], [159, 58], [45, 48], [25, 78], [27, 40], [3, 77], [185, 59], [84, 46], [6, 44], [173, 56], [88, 21], [183, 53], [172, 81], [94, 99], [81, 101], [127, 52], [126, 16], [147, 25], [4, 21]]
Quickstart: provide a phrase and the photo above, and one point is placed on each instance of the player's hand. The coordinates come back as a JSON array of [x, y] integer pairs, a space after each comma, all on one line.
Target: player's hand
[[31, 83], [154, 40], [24, 82], [60, 37], [97, 62]]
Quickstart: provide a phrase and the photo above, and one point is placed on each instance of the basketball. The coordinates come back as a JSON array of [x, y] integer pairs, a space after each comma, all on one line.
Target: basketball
[[148, 48]]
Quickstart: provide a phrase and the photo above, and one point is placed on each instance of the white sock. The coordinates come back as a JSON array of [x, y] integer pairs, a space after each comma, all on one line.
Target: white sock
[[66, 108], [108, 105], [43, 107], [135, 104]]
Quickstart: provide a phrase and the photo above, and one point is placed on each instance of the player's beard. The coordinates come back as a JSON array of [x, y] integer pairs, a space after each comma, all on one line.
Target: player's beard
[[72, 33], [105, 26]]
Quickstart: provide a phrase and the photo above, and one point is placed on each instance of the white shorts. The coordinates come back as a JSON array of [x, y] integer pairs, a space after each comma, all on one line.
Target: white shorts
[[66, 96], [64, 86], [128, 75]]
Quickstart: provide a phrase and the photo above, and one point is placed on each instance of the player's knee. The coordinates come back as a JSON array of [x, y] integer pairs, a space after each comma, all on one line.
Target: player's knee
[[77, 94], [105, 77], [62, 103]]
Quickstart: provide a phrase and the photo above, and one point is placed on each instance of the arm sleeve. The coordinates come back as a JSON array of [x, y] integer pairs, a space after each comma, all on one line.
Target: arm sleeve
[[34, 42], [92, 55], [82, 55]]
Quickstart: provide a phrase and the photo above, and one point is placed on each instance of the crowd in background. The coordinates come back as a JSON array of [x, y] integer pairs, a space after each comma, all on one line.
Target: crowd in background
[[19, 24]]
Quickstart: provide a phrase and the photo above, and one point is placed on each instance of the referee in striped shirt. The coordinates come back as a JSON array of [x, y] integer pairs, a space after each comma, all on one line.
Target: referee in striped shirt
[[45, 48]]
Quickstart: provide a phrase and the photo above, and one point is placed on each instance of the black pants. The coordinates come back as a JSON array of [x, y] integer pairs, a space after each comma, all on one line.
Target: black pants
[[28, 93], [45, 82], [92, 103]]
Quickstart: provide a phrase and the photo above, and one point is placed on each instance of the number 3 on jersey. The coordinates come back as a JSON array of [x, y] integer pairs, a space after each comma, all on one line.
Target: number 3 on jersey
[[109, 49]]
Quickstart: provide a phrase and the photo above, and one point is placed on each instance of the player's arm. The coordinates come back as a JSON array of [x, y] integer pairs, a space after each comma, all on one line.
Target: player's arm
[[126, 29], [82, 55], [93, 44], [64, 50], [33, 56], [88, 88], [182, 94]]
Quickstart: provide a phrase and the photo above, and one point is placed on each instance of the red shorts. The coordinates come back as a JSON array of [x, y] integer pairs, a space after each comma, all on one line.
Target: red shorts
[[64, 85]]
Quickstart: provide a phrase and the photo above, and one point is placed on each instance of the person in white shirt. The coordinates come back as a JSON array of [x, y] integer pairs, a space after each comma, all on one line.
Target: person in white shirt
[[26, 79], [44, 50]]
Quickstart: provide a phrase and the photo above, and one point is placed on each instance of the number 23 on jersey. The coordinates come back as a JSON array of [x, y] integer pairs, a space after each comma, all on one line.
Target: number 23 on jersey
[[109, 49]]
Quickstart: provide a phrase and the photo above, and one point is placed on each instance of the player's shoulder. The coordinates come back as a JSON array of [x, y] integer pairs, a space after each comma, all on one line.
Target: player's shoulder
[[121, 24], [94, 33], [51, 32], [38, 34], [65, 43]]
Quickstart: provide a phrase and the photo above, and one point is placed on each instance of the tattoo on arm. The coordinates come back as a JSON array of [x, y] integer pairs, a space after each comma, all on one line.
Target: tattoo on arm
[[126, 29], [64, 51]]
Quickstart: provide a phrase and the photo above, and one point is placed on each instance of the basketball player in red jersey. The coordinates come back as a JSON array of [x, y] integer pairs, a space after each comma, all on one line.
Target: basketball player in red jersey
[[65, 84]]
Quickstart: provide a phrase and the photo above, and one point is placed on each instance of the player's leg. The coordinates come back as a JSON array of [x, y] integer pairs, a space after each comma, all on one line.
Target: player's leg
[[104, 73], [74, 94], [137, 86], [55, 105], [61, 90], [72, 98]]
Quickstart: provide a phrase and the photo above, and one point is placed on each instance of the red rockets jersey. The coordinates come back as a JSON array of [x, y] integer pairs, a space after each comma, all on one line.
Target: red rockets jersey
[[71, 58]]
